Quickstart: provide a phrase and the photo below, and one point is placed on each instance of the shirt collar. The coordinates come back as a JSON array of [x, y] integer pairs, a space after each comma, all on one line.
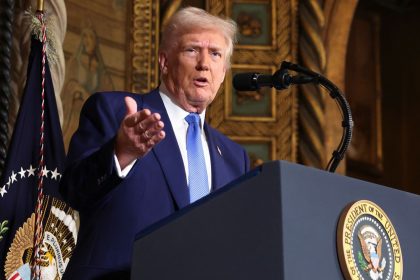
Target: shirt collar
[[174, 111]]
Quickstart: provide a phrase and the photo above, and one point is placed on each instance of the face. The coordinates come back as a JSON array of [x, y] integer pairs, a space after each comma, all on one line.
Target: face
[[194, 69], [88, 38]]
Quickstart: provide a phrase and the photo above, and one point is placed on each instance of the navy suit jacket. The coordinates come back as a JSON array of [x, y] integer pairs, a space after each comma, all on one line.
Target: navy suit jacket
[[113, 210]]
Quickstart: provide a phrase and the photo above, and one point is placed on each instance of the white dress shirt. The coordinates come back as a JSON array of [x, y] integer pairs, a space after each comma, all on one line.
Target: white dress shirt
[[179, 124]]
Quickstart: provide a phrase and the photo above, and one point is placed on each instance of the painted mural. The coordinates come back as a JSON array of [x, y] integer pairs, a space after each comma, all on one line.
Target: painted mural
[[95, 51]]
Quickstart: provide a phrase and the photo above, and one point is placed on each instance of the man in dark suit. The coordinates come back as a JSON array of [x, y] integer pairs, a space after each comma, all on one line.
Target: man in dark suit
[[129, 164]]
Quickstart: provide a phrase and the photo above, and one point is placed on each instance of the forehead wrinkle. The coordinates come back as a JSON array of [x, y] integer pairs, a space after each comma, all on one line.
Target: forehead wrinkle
[[191, 38], [204, 45]]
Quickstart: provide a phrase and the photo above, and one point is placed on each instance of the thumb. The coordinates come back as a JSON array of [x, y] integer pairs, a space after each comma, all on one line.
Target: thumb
[[130, 105], [131, 108]]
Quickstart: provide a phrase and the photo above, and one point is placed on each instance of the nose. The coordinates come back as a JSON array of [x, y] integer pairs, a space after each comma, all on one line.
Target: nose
[[203, 61]]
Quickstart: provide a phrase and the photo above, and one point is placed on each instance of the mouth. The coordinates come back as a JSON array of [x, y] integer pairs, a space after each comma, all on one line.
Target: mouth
[[201, 81]]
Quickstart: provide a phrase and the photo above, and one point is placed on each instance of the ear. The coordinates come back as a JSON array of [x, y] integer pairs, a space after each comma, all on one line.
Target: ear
[[163, 62]]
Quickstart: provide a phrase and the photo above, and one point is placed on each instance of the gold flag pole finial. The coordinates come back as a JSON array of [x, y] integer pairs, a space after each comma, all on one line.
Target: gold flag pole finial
[[40, 6]]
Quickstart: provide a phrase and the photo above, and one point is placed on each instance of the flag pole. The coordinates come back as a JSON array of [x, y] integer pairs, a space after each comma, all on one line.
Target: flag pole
[[39, 231], [40, 6]]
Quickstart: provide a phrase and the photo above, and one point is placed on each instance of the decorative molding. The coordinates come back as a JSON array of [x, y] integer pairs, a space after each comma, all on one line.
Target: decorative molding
[[144, 74], [313, 55]]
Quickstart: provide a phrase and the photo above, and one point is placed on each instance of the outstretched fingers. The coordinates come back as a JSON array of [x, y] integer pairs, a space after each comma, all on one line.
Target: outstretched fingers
[[139, 132]]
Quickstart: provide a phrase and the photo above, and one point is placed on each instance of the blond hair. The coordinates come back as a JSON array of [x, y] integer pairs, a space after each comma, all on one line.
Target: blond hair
[[191, 18]]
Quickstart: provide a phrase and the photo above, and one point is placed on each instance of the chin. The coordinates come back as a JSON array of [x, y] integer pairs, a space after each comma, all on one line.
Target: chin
[[195, 106]]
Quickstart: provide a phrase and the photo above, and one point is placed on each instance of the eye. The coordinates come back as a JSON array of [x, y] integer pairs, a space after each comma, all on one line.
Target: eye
[[190, 50], [216, 54]]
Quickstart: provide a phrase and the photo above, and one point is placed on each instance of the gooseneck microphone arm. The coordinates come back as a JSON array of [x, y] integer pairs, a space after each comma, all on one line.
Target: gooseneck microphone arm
[[342, 103], [281, 79]]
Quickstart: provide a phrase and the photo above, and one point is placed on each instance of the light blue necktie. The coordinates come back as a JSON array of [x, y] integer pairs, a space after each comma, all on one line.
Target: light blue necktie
[[197, 178]]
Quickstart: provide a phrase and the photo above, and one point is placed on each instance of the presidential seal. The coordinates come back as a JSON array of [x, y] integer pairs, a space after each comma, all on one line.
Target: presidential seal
[[59, 239], [367, 244]]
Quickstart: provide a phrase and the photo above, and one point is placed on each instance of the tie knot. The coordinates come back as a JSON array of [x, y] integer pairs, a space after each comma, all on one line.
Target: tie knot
[[193, 118]]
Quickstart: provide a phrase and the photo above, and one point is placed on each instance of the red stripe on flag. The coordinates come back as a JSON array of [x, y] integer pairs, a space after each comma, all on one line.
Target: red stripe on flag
[[15, 276]]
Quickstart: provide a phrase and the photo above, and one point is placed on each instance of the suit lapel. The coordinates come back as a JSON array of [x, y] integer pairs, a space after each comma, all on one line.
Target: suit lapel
[[216, 158], [168, 154]]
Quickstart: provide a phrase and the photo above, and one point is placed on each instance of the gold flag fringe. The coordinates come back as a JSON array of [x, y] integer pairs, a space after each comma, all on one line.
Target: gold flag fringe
[[36, 29]]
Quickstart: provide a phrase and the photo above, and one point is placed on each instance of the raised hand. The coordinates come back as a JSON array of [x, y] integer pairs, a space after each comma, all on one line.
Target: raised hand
[[139, 132]]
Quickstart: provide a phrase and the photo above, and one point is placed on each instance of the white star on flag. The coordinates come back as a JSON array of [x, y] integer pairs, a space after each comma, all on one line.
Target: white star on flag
[[13, 177], [3, 191], [31, 171], [55, 174], [45, 171], [22, 173]]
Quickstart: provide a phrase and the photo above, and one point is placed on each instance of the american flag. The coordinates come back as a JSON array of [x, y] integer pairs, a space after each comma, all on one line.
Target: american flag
[[19, 183]]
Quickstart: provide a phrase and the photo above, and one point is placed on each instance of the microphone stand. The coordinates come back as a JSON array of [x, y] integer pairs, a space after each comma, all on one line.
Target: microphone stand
[[282, 80]]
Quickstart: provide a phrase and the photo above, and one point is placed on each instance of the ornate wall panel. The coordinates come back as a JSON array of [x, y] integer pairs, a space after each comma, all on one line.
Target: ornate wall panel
[[144, 44], [264, 122]]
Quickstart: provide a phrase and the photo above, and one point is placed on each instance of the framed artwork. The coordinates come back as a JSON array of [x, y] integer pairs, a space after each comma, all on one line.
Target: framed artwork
[[259, 149], [250, 105], [256, 23]]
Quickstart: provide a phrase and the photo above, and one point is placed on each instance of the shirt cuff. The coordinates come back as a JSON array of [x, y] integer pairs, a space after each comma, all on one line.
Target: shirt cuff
[[123, 173]]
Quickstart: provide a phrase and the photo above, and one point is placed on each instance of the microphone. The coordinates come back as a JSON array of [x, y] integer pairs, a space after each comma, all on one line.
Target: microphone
[[279, 80], [251, 81]]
